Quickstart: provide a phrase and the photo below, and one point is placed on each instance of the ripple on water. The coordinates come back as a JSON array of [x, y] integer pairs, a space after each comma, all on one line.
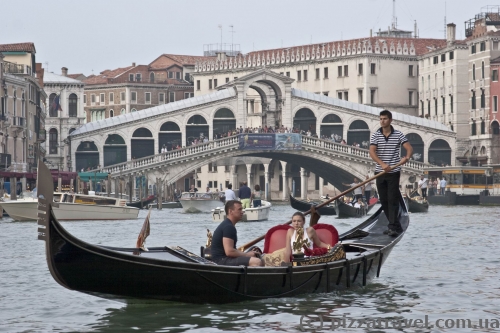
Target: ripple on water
[[445, 267]]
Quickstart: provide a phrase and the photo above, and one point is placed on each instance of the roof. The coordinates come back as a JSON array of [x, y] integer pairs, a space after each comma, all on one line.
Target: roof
[[18, 47], [74, 76], [369, 109], [106, 74], [181, 59], [155, 111], [494, 61], [50, 77]]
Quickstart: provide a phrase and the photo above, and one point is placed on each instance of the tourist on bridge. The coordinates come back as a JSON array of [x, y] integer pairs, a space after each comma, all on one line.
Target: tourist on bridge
[[245, 193], [385, 147]]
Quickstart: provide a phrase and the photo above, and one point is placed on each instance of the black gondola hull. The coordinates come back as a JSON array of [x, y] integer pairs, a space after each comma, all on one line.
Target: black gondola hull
[[305, 206], [417, 207], [145, 202], [345, 210]]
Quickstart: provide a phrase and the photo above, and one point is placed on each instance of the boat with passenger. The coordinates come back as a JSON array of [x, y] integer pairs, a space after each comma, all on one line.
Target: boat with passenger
[[252, 214], [199, 202]]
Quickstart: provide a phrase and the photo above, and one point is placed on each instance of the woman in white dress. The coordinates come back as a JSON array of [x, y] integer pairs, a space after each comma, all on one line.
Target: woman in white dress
[[310, 236]]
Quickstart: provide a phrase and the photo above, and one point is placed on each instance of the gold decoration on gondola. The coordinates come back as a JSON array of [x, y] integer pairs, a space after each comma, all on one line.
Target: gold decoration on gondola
[[300, 241], [335, 253], [209, 238]]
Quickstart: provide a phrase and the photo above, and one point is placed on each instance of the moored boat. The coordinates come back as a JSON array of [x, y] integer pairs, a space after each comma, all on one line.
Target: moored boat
[[144, 203], [172, 273], [196, 202], [251, 214], [169, 205], [304, 206], [347, 210]]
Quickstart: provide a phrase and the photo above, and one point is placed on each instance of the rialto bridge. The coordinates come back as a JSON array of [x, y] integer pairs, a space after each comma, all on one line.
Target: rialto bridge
[[130, 144]]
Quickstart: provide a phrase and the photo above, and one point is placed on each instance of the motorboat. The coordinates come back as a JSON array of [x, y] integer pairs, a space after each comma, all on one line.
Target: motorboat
[[251, 214], [25, 207], [198, 202], [72, 207]]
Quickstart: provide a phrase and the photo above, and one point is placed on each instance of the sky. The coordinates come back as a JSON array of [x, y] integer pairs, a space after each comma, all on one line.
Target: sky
[[89, 36]]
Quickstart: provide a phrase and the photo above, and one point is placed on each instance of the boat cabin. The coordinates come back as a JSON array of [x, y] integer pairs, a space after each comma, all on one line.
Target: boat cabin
[[199, 196], [83, 199], [467, 179]]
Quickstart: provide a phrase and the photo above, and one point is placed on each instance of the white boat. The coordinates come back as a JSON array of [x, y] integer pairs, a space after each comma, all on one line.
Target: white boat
[[72, 207], [252, 214], [25, 207], [199, 202]]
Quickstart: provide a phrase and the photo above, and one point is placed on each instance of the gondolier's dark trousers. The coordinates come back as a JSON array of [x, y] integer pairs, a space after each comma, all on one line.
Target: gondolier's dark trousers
[[388, 191]]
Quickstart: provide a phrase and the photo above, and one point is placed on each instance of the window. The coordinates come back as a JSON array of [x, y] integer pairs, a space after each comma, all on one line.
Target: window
[[494, 75], [428, 108], [422, 108], [305, 74], [473, 101], [235, 78], [138, 77], [372, 69], [92, 99], [495, 128], [170, 75], [111, 113], [451, 104], [410, 98], [325, 93], [171, 96], [85, 99], [101, 99], [325, 72], [482, 46], [210, 84], [152, 77], [339, 95], [197, 84], [147, 97], [111, 98], [410, 70], [435, 60], [482, 70], [131, 77], [122, 97], [186, 95], [215, 83], [340, 71], [317, 73], [133, 97], [161, 98], [73, 105], [360, 96], [495, 104], [473, 49], [443, 57], [288, 74], [473, 128], [483, 127], [473, 71], [483, 99], [443, 100], [360, 69], [435, 106], [178, 75], [227, 79], [299, 75], [372, 96], [451, 55], [346, 70], [53, 141], [346, 95]]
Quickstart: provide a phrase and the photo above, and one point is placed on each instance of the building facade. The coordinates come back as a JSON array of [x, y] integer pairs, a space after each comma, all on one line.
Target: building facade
[[59, 123], [23, 107], [380, 72]]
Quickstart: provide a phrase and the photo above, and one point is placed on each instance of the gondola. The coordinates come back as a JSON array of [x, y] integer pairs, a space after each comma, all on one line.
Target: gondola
[[346, 210], [174, 274], [305, 206], [414, 206], [145, 202]]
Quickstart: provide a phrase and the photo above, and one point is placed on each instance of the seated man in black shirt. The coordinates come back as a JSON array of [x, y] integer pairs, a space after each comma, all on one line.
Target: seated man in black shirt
[[224, 240]]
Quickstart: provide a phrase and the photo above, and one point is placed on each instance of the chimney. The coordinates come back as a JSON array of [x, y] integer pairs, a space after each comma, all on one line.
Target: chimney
[[64, 71], [371, 33], [451, 29], [415, 28], [133, 64]]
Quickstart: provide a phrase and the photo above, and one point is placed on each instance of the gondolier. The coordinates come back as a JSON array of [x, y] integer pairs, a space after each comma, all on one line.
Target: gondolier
[[422, 184], [385, 147], [358, 192]]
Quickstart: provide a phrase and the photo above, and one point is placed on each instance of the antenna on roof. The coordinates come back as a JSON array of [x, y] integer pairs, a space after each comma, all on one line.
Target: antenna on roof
[[232, 33], [220, 27], [394, 18], [445, 20], [47, 65]]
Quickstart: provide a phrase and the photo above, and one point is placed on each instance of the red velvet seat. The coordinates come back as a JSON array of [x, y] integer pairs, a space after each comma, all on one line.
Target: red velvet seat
[[327, 233], [373, 201], [276, 238]]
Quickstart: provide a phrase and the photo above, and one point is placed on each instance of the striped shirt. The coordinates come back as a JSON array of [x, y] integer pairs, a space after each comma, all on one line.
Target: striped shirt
[[388, 148]]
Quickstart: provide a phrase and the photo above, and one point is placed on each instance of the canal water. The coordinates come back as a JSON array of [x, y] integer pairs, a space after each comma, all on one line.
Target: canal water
[[445, 269]]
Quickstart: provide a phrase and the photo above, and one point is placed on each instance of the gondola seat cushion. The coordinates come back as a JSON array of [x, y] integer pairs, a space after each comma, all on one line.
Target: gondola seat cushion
[[327, 233], [373, 201], [276, 238]]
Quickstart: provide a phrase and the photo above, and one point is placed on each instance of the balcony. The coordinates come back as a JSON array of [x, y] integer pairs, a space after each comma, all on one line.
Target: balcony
[[481, 83], [434, 93], [428, 94], [19, 122], [12, 68], [42, 136], [450, 90], [421, 94], [472, 85], [442, 91]]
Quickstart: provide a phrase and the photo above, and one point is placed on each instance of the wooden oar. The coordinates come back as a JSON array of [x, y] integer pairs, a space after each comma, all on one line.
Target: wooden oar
[[255, 241]]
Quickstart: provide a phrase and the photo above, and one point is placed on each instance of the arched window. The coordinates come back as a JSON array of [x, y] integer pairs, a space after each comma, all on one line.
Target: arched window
[[359, 133], [123, 111], [53, 141], [224, 121], [71, 130], [52, 112], [483, 127], [482, 70], [495, 128], [111, 113], [473, 71], [73, 106], [151, 77], [439, 153], [169, 136], [133, 110], [305, 120]]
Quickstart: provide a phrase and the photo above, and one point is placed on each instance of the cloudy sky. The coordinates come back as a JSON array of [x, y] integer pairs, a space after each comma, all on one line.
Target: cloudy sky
[[89, 36]]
